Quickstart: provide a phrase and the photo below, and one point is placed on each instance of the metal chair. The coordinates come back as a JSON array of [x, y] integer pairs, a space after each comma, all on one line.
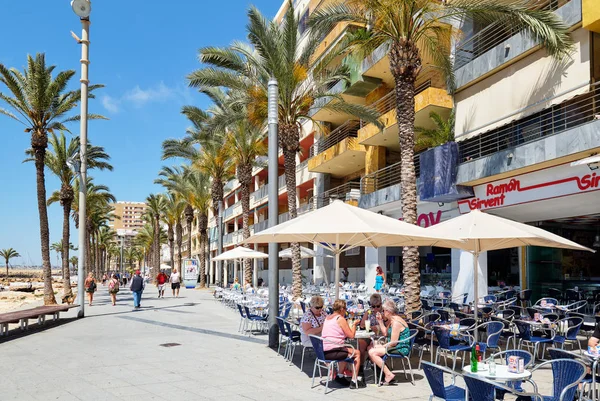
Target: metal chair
[[525, 337], [508, 331], [443, 338], [566, 376], [411, 340], [573, 327], [294, 338], [322, 362], [435, 377], [556, 353], [493, 331], [506, 314], [555, 293], [286, 333], [255, 320], [243, 319]]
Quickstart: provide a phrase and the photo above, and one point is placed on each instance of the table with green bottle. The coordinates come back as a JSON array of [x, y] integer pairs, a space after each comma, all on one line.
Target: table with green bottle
[[491, 370]]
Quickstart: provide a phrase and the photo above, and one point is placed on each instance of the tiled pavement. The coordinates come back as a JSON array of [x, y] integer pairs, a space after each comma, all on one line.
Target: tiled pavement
[[116, 354]]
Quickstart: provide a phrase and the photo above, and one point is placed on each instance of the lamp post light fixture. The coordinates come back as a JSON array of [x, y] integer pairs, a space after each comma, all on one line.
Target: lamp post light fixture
[[83, 9]]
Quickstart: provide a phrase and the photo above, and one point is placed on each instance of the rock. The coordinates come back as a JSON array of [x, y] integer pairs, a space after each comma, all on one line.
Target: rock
[[21, 286]]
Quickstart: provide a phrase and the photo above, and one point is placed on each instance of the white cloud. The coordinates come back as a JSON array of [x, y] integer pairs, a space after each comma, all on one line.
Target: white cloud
[[110, 104], [139, 97]]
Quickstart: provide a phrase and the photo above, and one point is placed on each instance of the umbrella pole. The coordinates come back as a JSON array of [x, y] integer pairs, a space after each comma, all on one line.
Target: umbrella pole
[[475, 286], [337, 267]]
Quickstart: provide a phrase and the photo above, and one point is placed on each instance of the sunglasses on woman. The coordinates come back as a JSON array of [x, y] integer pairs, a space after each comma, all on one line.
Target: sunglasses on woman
[[318, 307], [376, 306]]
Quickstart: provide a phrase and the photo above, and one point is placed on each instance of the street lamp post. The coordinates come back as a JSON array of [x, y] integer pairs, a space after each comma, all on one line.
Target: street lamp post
[[83, 8], [273, 120]]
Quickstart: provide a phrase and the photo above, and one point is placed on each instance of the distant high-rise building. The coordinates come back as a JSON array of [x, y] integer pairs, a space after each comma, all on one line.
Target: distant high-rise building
[[128, 216]]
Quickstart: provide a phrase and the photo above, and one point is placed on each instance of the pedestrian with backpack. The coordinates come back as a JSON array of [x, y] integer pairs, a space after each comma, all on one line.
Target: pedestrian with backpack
[[113, 288], [90, 287]]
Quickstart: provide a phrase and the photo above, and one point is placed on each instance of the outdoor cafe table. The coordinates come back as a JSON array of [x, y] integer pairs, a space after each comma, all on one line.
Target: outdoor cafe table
[[502, 375]]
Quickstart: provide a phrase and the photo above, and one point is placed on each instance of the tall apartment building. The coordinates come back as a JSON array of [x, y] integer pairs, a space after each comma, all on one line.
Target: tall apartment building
[[525, 126], [128, 215]]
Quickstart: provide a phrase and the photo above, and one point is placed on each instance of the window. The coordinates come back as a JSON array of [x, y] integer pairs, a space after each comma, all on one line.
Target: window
[[353, 252], [303, 23]]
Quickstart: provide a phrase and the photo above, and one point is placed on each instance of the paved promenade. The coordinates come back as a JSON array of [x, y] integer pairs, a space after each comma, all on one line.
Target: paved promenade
[[115, 353]]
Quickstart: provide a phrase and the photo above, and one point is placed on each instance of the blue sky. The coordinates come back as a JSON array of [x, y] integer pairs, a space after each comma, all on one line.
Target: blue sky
[[141, 51]]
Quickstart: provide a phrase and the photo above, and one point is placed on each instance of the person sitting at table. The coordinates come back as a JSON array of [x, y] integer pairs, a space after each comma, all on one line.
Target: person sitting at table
[[312, 320], [335, 332], [370, 315], [397, 339]]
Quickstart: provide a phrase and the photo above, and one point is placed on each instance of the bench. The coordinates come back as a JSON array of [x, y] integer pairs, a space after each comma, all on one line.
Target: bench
[[22, 317]]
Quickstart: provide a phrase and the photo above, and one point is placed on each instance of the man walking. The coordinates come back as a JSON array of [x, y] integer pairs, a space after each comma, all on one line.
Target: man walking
[[161, 279], [137, 287]]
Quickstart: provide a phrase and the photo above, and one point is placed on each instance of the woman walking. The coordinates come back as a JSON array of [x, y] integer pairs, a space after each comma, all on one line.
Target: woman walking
[[90, 287], [113, 288], [379, 279]]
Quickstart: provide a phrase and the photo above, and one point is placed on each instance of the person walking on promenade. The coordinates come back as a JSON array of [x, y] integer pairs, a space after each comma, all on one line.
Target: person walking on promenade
[[161, 280], [137, 288], [113, 288], [175, 280], [90, 287]]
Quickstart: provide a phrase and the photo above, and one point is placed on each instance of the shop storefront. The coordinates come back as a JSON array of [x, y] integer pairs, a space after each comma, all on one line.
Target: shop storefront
[[564, 200]]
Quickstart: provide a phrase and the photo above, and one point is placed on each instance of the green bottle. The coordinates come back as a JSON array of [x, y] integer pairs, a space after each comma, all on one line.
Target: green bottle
[[474, 359]]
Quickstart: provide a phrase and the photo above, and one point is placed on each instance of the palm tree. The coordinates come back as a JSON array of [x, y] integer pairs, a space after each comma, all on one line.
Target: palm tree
[[41, 104], [443, 132], [99, 211], [74, 260], [412, 29], [278, 52], [246, 143], [155, 211], [172, 217], [58, 248], [8, 254], [57, 161], [172, 178]]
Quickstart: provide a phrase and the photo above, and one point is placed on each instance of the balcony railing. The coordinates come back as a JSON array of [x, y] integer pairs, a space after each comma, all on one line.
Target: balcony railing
[[229, 211], [386, 177], [281, 181], [347, 191], [388, 102], [299, 211], [302, 165], [560, 117], [493, 35], [260, 193], [261, 226], [348, 129]]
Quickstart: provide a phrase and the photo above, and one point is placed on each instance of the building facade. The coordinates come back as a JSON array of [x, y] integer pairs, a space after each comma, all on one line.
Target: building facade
[[525, 124], [127, 215]]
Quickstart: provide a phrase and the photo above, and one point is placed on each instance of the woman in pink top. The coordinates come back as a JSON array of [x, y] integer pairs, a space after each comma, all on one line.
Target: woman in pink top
[[335, 331]]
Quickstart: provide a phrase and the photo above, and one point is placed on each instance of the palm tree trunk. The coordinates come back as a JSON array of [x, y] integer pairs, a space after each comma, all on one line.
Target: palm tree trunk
[[171, 236], [405, 64], [189, 217], [289, 138], [156, 245], [245, 178], [67, 290], [39, 143], [6, 259], [202, 226], [88, 254], [179, 233]]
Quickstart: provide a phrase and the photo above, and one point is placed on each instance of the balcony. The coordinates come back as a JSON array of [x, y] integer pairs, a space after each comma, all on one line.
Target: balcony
[[299, 211], [232, 210], [555, 133], [260, 226], [493, 46], [333, 38], [259, 196], [427, 99], [348, 192], [385, 177], [339, 152]]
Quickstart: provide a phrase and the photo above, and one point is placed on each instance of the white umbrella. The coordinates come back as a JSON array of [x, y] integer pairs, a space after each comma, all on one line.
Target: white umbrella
[[240, 253], [339, 227], [477, 232], [305, 253]]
